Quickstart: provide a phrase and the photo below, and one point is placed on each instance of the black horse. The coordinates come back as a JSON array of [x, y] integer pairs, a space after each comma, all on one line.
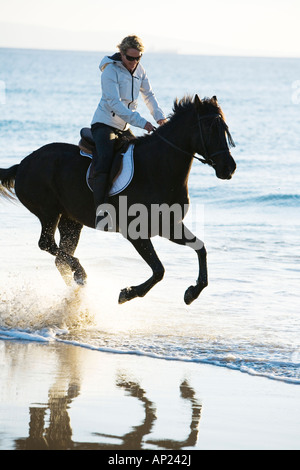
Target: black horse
[[51, 183]]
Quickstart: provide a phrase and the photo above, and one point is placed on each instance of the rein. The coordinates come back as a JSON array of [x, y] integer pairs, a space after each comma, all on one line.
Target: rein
[[207, 158]]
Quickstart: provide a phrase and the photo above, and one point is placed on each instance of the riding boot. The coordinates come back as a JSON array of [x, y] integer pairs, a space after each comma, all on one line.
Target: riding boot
[[99, 187]]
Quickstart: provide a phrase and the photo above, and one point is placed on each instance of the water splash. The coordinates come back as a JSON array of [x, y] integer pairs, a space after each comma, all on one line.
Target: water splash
[[34, 308]]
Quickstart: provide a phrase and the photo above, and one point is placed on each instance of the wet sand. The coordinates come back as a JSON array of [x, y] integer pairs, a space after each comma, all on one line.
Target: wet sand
[[60, 396]]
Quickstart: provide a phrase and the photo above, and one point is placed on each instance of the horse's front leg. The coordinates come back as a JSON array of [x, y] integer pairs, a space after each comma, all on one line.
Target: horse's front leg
[[183, 236], [145, 248]]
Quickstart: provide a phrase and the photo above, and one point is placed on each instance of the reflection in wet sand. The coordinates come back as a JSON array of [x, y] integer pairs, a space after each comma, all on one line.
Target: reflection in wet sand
[[187, 393], [134, 439], [50, 423], [58, 435]]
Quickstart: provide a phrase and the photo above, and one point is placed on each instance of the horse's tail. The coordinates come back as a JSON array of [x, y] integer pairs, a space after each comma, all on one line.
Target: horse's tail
[[7, 181]]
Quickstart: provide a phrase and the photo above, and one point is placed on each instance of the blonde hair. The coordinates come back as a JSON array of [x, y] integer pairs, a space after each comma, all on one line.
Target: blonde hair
[[131, 42]]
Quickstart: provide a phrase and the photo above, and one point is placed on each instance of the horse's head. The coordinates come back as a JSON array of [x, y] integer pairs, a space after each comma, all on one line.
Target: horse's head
[[212, 137]]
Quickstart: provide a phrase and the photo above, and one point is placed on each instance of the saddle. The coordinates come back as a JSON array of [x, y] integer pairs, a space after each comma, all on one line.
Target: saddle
[[122, 166], [87, 143]]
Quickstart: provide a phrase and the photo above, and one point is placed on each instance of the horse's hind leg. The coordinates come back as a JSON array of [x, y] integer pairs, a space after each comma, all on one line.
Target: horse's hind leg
[[65, 262], [145, 248], [47, 243]]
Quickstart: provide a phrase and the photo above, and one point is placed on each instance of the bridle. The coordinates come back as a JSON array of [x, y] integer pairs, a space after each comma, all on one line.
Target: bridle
[[207, 158]]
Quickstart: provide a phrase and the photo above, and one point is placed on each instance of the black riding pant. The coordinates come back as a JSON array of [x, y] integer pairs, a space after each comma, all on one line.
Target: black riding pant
[[104, 137]]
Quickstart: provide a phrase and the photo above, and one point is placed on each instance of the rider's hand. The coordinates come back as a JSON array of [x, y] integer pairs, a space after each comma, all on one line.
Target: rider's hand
[[162, 121], [148, 127]]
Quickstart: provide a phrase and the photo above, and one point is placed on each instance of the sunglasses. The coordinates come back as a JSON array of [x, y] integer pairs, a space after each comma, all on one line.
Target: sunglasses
[[131, 59]]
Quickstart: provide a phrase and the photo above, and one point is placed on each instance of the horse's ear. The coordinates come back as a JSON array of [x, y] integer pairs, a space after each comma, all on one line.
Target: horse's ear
[[197, 101], [214, 98]]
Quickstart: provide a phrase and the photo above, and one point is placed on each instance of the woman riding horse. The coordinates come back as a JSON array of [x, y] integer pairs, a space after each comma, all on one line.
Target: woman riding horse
[[122, 78]]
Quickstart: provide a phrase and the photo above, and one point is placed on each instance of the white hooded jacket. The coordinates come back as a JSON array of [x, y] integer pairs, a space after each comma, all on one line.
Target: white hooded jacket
[[120, 91]]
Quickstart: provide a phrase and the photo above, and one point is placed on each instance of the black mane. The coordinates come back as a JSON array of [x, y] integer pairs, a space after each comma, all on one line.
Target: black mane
[[207, 106], [184, 105]]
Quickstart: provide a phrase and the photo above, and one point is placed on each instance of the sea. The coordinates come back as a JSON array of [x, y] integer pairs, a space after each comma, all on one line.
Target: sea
[[248, 318]]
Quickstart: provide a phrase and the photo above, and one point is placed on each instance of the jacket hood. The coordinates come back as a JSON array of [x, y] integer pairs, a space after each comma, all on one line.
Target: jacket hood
[[110, 60]]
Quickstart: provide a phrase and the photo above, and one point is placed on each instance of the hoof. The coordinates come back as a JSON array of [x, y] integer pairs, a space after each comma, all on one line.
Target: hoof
[[189, 295], [193, 292], [80, 278], [127, 294]]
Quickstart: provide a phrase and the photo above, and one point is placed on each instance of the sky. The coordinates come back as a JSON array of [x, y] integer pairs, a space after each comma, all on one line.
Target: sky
[[218, 27]]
